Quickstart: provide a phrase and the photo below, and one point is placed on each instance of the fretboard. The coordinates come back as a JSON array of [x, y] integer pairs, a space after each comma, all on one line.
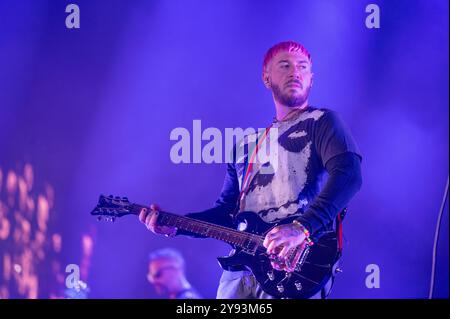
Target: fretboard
[[229, 235]]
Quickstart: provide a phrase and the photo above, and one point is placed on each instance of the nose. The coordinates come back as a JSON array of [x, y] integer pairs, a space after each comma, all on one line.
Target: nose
[[296, 74]]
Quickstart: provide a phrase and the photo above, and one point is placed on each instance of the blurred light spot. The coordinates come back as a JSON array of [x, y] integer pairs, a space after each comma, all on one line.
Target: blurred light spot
[[88, 244], [17, 268], [57, 242], [11, 182], [42, 212], [6, 267], [28, 175], [24, 216], [4, 228]]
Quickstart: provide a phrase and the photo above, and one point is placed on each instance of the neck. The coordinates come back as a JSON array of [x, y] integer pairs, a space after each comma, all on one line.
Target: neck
[[283, 111], [182, 284]]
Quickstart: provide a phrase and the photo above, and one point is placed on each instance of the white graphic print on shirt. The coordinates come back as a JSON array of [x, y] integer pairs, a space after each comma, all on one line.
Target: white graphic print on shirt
[[275, 196]]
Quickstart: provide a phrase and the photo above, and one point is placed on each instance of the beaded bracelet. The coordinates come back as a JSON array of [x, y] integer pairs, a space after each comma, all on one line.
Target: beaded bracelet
[[305, 231]]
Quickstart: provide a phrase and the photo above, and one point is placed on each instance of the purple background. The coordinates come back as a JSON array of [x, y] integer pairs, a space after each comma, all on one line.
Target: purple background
[[92, 109]]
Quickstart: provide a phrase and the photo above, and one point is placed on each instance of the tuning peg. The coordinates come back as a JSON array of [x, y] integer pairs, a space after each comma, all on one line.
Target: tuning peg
[[99, 218]]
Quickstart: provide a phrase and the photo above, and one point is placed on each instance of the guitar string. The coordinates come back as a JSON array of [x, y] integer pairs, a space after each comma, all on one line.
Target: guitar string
[[237, 234]]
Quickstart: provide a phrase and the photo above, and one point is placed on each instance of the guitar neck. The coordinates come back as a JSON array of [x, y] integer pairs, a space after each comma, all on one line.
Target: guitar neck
[[206, 229]]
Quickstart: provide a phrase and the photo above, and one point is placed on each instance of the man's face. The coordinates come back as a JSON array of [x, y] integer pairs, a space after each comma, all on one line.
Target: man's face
[[289, 76], [164, 275]]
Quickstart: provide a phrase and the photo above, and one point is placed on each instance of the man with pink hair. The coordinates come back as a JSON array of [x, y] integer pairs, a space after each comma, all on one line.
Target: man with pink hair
[[311, 141]]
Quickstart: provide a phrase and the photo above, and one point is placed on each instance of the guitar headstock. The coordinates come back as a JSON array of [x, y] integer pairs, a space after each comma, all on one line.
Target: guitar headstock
[[110, 207]]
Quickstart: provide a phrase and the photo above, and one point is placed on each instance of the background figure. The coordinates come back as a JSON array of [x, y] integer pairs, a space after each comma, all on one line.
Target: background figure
[[166, 272]]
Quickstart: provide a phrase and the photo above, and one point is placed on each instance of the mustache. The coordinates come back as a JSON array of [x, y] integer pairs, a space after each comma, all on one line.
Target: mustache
[[293, 81]]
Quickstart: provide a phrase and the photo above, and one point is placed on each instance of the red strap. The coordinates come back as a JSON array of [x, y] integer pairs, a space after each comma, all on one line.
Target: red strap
[[340, 233], [246, 180]]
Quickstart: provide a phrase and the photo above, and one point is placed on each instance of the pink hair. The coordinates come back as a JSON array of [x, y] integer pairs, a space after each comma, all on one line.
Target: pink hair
[[289, 46]]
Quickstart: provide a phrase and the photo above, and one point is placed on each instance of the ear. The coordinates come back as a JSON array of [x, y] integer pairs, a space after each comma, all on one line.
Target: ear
[[312, 79], [266, 80]]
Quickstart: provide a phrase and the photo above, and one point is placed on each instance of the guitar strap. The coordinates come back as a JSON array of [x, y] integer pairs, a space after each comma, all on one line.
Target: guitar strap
[[247, 173], [339, 230], [339, 234]]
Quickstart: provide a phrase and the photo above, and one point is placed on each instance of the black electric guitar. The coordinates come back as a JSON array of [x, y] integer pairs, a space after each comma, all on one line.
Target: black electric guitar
[[313, 263]]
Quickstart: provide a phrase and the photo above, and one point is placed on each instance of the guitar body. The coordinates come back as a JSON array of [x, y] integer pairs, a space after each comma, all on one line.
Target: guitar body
[[311, 274]]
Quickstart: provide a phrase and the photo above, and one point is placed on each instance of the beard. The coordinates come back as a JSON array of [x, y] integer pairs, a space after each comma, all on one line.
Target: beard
[[290, 99]]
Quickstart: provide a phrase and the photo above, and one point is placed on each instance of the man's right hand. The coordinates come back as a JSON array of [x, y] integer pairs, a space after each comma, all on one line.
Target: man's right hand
[[150, 219]]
